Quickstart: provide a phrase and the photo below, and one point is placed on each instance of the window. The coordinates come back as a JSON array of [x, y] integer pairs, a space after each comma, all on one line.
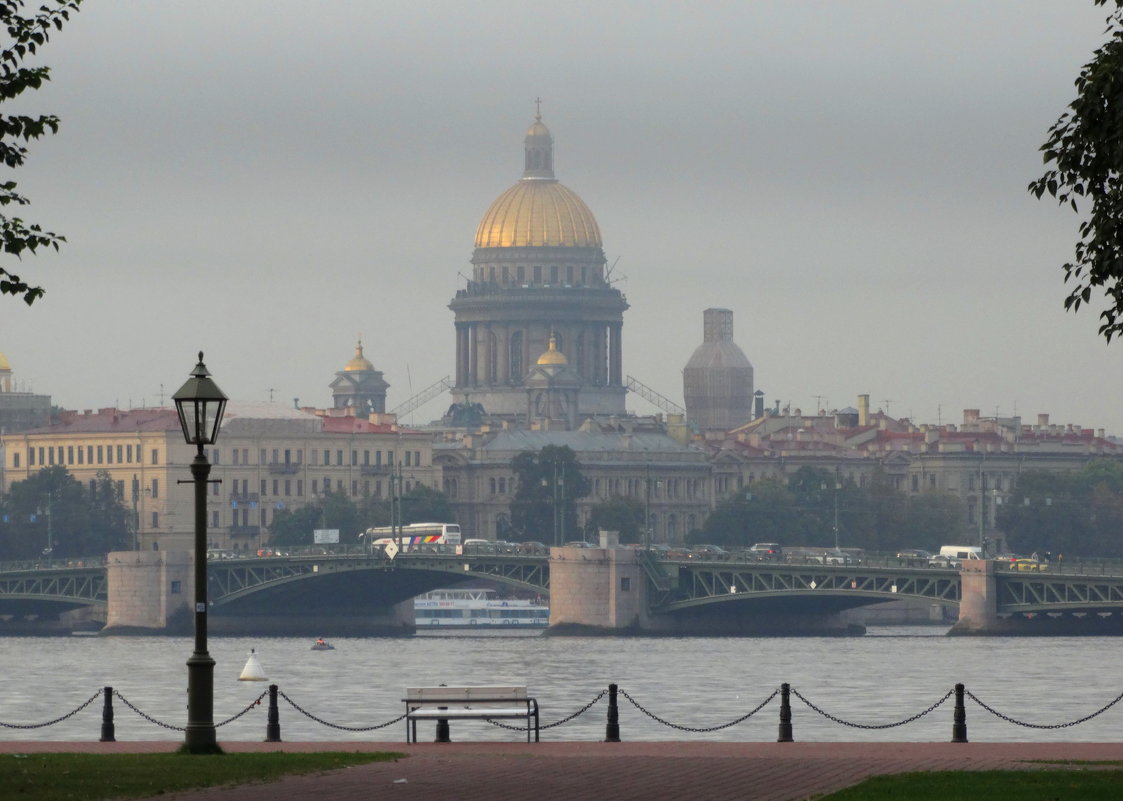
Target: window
[[120, 450], [216, 486], [339, 457], [354, 488], [315, 486], [276, 486], [366, 457], [625, 584], [214, 519], [155, 520], [100, 455], [245, 455], [300, 486], [177, 587], [261, 456], [81, 453], [120, 490], [50, 455], [327, 457], [234, 458], [262, 490], [288, 456], [70, 454], [354, 457], [128, 454], [155, 456], [155, 488], [417, 458], [408, 458], [15, 460], [327, 484], [288, 487]]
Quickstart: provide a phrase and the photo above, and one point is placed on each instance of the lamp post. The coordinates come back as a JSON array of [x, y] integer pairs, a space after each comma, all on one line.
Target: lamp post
[[200, 404]]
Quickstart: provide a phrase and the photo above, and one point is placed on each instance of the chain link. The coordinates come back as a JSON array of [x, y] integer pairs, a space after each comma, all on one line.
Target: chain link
[[871, 726], [680, 727], [234, 717], [51, 722], [145, 715], [576, 714], [308, 714], [1065, 725]]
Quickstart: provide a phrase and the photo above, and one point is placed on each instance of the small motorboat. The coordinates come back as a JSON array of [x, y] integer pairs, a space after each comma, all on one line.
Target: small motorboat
[[322, 645]]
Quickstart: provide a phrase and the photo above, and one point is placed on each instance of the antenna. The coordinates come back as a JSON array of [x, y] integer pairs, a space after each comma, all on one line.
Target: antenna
[[161, 395], [270, 394], [887, 401], [818, 403]]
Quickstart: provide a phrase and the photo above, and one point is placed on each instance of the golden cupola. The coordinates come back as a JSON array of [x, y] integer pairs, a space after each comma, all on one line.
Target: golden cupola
[[552, 355], [538, 211], [359, 362]]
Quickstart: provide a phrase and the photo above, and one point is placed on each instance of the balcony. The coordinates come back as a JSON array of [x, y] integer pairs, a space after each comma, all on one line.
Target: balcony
[[375, 470], [284, 468], [242, 499]]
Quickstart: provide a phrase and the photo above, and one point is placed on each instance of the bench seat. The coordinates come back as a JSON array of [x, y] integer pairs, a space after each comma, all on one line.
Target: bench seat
[[469, 703]]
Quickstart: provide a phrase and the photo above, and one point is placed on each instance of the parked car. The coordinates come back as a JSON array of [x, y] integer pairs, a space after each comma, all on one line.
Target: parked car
[[578, 544], [1028, 565]]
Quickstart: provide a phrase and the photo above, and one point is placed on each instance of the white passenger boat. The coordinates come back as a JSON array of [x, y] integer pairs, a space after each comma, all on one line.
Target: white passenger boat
[[477, 608]]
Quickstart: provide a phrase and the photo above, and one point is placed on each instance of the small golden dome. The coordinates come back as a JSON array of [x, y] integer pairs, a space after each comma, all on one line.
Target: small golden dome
[[537, 128], [360, 362], [4, 362], [538, 213], [553, 355]]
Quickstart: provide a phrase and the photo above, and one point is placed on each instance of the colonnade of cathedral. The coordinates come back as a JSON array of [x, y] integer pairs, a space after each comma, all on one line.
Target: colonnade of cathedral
[[501, 353]]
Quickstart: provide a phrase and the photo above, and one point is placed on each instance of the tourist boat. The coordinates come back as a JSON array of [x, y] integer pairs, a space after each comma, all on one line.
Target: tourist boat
[[477, 608], [322, 645]]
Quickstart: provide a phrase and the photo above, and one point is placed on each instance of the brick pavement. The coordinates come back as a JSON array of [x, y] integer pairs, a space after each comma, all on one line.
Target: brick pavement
[[572, 771]]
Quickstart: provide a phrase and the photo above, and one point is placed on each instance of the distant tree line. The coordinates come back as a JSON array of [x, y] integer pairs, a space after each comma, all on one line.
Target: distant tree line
[[420, 504]]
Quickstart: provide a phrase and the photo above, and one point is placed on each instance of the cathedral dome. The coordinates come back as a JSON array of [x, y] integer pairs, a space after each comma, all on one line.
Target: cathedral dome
[[359, 362], [4, 365], [538, 211]]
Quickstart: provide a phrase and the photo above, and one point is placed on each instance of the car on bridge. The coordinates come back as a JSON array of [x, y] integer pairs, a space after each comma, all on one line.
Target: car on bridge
[[708, 552], [914, 556], [1028, 565], [767, 551]]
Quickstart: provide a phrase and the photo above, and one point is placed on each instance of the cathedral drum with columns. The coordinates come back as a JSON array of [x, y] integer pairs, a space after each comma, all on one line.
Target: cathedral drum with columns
[[539, 286]]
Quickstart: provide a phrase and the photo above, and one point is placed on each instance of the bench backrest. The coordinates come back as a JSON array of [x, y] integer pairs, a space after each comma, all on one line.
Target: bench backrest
[[453, 694]]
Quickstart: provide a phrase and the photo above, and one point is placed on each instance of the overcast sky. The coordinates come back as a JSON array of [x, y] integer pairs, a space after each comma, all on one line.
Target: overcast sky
[[266, 180]]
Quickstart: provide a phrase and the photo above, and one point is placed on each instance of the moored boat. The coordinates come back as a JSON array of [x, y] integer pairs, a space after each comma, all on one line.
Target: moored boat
[[477, 608]]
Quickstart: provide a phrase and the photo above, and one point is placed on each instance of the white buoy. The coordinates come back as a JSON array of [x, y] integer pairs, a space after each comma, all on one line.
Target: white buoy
[[252, 671]]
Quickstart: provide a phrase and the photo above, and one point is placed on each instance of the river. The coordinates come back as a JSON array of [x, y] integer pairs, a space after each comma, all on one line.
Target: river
[[888, 675]]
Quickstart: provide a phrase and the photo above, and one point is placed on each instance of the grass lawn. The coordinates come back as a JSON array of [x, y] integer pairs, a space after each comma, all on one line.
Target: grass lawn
[[1068, 784], [88, 777]]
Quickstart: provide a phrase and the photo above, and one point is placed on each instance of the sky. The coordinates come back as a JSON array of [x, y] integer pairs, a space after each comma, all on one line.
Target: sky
[[267, 180]]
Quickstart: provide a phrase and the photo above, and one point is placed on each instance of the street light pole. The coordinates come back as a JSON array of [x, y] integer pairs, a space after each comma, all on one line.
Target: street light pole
[[200, 404]]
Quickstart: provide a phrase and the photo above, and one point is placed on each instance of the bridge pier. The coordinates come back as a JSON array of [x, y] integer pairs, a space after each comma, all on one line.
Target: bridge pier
[[148, 592], [605, 591]]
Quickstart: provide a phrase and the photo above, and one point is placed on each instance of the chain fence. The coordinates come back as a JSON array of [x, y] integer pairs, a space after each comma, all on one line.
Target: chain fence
[[698, 729], [556, 723], [871, 726], [145, 715], [59, 719], [340, 726], [1027, 725]]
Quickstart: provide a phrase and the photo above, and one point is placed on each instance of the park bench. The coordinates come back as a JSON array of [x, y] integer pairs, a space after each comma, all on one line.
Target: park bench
[[468, 703]]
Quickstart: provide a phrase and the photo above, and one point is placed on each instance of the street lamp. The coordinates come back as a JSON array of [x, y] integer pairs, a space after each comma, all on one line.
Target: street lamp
[[200, 404]]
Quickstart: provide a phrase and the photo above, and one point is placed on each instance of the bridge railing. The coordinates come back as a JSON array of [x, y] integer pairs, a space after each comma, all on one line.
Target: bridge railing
[[52, 564]]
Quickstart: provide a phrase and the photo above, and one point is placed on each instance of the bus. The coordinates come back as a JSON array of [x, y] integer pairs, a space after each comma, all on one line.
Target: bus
[[413, 534]]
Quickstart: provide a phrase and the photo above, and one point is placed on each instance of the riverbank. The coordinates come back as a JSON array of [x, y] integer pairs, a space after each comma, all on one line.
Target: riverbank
[[589, 771]]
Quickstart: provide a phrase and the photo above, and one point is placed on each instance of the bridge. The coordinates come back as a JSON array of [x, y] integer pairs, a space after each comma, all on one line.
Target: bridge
[[677, 595]]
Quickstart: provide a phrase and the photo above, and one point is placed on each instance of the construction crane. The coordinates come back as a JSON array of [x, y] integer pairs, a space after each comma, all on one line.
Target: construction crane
[[653, 397], [422, 397]]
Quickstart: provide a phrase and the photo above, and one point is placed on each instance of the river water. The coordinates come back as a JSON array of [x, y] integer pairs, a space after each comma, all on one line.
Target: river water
[[888, 675]]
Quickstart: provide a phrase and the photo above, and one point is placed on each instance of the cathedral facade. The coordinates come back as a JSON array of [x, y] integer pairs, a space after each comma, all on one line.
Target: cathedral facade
[[538, 277]]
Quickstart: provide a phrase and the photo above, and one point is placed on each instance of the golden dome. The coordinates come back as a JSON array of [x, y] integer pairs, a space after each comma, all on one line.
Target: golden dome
[[538, 213], [553, 355], [4, 362], [360, 362]]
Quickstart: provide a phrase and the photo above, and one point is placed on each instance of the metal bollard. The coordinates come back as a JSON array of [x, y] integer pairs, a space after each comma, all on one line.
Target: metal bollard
[[785, 714], [442, 727], [107, 730], [273, 722], [959, 719], [612, 727]]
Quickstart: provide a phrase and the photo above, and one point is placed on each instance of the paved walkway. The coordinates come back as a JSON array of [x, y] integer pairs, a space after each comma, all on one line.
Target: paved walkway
[[569, 771]]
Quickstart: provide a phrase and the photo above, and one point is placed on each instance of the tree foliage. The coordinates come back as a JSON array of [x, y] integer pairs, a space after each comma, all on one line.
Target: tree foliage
[[26, 34], [51, 514], [1075, 514], [421, 504], [1085, 151], [549, 484], [804, 510], [619, 513]]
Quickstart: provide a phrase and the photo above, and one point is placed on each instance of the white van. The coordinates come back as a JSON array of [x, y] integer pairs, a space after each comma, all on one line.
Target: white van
[[952, 555]]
